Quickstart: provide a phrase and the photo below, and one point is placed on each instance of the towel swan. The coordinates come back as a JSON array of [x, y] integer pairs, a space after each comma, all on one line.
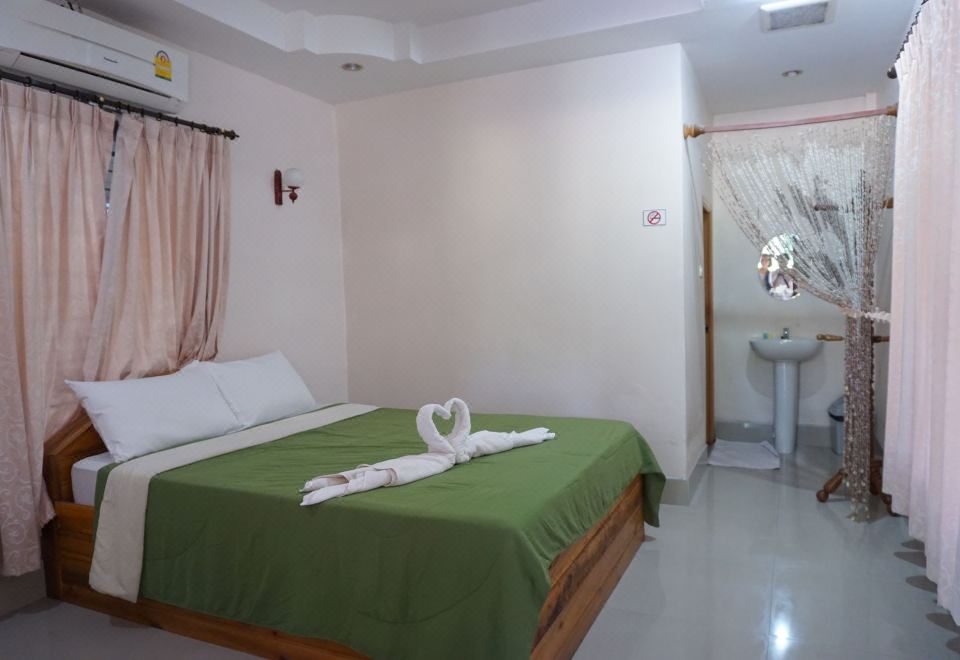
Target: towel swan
[[456, 442], [466, 445], [444, 452]]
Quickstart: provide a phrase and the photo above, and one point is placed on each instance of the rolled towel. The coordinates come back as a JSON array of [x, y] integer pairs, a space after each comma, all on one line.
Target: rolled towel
[[483, 443], [392, 472], [330, 486]]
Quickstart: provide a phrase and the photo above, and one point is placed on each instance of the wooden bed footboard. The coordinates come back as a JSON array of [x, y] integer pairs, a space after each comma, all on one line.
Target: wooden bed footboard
[[582, 577]]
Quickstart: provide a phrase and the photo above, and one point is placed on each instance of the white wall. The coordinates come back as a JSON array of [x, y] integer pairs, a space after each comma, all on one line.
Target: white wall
[[493, 244], [744, 391], [696, 188], [286, 275]]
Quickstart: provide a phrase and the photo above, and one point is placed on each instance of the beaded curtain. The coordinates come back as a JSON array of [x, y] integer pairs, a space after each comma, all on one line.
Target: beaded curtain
[[824, 185]]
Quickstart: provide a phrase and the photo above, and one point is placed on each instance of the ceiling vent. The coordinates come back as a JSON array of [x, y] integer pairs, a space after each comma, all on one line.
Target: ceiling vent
[[795, 13]]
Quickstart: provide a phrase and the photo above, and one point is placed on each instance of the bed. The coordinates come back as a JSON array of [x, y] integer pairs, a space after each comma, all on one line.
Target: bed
[[508, 556]]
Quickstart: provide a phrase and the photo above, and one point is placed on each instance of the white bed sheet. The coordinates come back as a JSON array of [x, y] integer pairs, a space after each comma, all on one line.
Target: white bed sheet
[[84, 477]]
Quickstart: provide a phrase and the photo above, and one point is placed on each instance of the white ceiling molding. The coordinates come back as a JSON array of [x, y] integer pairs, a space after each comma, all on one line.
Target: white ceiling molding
[[510, 27], [255, 18], [357, 35], [420, 12], [540, 22], [301, 30]]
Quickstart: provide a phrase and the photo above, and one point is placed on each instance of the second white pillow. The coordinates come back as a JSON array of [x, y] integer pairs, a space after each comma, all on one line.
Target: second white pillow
[[260, 389]]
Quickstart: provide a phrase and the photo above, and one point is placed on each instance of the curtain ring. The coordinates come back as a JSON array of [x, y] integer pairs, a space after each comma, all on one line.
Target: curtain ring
[[100, 101], [53, 88], [29, 82]]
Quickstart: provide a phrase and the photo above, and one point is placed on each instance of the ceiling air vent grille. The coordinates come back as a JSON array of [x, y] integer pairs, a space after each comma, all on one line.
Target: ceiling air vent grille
[[792, 14]]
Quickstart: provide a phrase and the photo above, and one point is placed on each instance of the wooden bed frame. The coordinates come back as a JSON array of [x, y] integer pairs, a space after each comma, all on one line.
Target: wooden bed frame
[[582, 577]]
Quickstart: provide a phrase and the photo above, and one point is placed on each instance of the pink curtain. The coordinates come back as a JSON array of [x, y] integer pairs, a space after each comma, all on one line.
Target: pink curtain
[[54, 154], [921, 448], [90, 294], [163, 284]]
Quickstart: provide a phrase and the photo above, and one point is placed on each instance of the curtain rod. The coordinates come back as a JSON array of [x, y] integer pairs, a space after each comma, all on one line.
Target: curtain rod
[[692, 130], [113, 105], [892, 71]]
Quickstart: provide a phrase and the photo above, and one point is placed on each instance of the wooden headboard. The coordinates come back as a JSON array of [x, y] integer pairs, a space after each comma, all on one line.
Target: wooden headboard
[[75, 441]]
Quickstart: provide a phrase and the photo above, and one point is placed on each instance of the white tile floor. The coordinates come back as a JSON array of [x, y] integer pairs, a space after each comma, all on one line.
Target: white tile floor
[[53, 630], [754, 568]]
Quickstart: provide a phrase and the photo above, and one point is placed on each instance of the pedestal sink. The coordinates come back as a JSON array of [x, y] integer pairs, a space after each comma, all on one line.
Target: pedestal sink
[[786, 355]]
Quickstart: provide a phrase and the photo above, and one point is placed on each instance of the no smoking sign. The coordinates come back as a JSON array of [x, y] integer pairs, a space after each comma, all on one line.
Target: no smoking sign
[[655, 218]]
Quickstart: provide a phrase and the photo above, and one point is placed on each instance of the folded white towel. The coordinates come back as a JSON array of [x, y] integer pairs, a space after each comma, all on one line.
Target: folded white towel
[[392, 472], [483, 443], [444, 452]]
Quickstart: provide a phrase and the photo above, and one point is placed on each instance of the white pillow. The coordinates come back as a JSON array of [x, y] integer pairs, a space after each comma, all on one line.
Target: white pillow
[[143, 415], [260, 389]]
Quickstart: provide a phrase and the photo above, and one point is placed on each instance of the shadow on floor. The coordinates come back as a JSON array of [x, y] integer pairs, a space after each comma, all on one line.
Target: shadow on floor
[[914, 557], [37, 607]]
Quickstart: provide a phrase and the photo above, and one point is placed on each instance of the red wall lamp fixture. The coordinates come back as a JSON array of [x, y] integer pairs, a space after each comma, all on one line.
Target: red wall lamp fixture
[[292, 179]]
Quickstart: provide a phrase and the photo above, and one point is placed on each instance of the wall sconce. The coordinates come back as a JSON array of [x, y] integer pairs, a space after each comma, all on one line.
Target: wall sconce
[[292, 179]]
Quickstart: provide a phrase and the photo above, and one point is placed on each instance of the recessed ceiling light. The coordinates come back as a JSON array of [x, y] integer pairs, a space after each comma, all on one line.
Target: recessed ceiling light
[[792, 73], [352, 66]]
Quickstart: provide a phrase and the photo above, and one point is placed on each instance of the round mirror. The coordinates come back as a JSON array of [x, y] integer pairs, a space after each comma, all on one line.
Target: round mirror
[[776, 260]]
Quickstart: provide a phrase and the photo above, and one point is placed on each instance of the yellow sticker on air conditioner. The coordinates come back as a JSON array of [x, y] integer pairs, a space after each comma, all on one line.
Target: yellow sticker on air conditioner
[[162, 68]]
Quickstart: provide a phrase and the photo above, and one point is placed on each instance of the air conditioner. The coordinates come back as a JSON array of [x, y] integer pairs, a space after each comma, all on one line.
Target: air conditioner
[[44, 40]]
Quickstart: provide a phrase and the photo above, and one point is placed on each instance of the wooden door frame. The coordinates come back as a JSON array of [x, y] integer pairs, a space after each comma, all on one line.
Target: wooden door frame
[[711, 432]]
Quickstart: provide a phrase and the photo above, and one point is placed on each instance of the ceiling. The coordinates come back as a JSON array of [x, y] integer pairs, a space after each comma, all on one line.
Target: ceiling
[[406, 44], [421, 12]]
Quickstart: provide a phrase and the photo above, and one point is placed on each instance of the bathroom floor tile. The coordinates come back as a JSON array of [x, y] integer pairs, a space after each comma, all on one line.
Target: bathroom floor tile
[[823, 605], [619, 634], [613, 636], [708, 591], [788, 649]]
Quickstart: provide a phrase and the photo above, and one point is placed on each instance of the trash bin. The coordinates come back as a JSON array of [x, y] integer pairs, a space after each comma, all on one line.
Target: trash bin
[[835, 412]]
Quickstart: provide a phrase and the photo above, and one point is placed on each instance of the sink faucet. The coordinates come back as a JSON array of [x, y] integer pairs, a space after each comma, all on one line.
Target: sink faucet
[[785, 334]]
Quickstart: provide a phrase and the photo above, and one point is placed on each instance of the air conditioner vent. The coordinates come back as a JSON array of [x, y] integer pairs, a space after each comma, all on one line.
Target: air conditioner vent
[[792, 14]]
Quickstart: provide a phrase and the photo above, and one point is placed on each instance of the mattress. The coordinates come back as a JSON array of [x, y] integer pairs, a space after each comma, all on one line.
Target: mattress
[[84, 477]]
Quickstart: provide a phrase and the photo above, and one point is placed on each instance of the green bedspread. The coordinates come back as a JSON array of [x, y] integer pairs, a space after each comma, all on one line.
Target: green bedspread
[[454, 566]]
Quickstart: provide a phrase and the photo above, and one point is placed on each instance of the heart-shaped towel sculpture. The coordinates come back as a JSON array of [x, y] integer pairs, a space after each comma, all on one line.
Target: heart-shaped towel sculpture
[[455, 442], [444, 451]]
